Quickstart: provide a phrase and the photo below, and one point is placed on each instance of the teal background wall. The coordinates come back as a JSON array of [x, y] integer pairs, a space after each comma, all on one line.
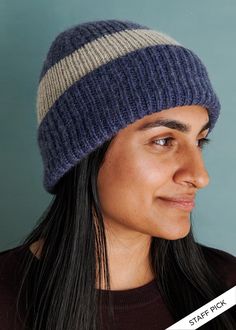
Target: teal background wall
[[27, 29]]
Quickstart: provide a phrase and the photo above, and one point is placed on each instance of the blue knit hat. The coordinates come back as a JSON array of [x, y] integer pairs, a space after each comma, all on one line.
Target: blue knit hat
[[101, 76]]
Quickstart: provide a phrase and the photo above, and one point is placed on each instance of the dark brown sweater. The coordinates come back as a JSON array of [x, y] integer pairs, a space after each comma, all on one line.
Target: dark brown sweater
[[140, 308]]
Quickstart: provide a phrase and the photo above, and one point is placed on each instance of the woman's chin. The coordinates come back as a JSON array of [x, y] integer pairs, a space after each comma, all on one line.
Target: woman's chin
[[175, 232]]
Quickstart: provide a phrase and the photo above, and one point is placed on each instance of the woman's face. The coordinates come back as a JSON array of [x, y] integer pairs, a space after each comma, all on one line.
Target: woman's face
[[145, 168]]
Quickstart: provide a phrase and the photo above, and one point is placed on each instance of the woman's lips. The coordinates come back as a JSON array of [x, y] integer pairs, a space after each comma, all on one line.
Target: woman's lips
[[184, 204]]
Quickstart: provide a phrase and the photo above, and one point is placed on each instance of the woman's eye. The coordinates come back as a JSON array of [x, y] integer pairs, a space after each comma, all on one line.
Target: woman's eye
[[168, 142], [164, 142], [202, 142]]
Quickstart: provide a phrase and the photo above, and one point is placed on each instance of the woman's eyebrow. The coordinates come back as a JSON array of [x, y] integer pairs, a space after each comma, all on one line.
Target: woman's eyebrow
[[170, 123]]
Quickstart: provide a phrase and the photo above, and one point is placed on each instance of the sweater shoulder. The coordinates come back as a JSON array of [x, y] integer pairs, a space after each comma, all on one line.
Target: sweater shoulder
[[222, 262], [10, 265], [11, 261]]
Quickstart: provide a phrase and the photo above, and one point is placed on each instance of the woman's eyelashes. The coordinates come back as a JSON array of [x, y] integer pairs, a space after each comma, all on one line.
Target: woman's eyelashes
[[168, 142], [203, 142]]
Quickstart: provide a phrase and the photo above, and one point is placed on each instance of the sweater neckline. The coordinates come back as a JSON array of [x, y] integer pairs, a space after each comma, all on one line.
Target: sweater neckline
[[127, 298], [134, 297]]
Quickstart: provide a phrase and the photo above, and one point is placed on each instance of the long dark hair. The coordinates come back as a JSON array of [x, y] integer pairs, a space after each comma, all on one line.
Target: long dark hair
[[60, 289]]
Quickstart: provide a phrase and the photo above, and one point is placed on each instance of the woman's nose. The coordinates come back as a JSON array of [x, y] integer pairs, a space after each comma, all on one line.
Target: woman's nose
[[192, 169]]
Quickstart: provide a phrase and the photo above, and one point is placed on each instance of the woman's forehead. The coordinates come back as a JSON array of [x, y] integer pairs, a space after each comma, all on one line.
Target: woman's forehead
[[185, 115]]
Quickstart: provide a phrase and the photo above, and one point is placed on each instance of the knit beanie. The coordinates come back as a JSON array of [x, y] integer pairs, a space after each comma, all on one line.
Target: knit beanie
[[100, 76]]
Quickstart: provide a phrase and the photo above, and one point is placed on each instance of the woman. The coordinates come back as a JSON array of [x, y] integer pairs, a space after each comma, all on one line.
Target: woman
[[124, 112]]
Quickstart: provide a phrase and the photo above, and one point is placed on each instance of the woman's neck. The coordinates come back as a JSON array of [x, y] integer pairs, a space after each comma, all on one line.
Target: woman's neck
[[129, 262]]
